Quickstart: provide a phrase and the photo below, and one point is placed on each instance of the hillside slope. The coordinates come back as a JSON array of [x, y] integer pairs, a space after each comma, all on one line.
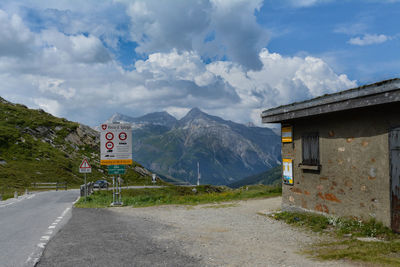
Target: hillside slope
[[38, 147], [270, 177]]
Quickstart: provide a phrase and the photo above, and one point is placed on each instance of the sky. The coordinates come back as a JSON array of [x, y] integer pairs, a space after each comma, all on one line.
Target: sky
[[86, 60]]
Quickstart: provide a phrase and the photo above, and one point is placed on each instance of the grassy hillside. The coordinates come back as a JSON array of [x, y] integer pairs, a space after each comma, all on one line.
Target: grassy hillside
[[38, 147], [270, 177]]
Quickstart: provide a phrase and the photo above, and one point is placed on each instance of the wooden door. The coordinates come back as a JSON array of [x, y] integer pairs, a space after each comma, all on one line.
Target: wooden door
[[394, 147]]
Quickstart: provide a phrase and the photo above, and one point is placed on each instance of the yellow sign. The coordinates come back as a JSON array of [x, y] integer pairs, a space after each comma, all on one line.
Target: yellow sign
[[287, 134], [116, 162], [287, 171]]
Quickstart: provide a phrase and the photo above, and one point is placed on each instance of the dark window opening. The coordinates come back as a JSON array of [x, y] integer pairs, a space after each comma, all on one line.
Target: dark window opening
[[310, 149]]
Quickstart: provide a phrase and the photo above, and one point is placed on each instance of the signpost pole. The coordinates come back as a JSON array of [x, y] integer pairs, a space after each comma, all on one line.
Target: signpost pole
[[113, 189], [119, 195], [85, 188], [85, 168]]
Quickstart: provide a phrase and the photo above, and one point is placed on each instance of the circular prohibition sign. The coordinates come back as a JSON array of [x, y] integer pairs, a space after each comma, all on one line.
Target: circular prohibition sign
[[109, 136], [122, 136], [109, 145]]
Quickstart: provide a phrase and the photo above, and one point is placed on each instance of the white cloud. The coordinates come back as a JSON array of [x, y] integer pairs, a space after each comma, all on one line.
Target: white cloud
[[352, 29], [48, 105], [303, 3], [78, 48], [369, 39], [280, 81], [186, 66], [15, 38], [213, 28], [55, 86], [73, 74]]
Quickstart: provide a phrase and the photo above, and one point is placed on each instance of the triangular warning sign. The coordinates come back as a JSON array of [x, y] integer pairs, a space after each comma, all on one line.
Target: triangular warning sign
[[84, 164]]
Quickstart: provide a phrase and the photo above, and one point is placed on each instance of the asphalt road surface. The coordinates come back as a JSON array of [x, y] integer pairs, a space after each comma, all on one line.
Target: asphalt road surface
[[100, 237], [29, 222]]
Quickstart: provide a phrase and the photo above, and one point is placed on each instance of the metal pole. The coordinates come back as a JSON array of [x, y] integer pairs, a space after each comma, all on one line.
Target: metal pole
[[119, 195], [113, 189], [85, 188]]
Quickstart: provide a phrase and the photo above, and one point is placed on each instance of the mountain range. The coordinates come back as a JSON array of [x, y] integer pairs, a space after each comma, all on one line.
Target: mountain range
[[226, 151]]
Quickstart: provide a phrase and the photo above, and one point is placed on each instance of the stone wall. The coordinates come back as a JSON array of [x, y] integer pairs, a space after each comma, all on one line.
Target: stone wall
[[354, 179]]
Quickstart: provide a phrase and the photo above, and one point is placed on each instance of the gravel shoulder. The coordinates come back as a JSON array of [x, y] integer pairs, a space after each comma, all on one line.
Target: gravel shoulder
[[229, 234], [232, 234]]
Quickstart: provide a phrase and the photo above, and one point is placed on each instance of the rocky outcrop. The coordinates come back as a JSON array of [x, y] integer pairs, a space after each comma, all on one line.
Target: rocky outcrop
[[83, 135]]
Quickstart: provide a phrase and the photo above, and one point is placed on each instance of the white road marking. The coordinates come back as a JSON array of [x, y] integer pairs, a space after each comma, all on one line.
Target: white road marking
[[45, 238], [16, 200], [73, 203]]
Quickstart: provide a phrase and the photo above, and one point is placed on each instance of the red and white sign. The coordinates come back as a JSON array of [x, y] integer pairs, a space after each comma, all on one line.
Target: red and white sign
[[109, 136], [109, 145], [85, 167], [116, 144], [122, 136]]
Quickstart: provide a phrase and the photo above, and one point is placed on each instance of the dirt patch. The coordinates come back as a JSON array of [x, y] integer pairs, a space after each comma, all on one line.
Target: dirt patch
[[233, 234]]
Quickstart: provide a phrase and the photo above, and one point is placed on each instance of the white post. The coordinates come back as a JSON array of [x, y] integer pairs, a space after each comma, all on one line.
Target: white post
[[113, 189], [198, 173], [85, 187]]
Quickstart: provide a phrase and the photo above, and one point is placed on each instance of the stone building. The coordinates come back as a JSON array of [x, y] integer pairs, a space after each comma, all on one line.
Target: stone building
[[341, 153]]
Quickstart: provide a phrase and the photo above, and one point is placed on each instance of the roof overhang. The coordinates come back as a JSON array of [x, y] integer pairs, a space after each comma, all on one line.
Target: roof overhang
[[364, 96]]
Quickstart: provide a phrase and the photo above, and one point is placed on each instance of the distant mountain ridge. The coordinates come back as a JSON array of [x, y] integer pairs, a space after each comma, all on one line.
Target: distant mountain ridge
[[271, 177], [227, 151], [157, 118]]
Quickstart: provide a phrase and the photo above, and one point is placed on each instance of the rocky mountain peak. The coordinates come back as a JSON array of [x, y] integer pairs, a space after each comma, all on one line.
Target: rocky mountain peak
[[196, 113]]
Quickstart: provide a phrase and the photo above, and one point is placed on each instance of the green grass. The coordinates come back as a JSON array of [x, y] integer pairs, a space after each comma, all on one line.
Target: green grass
[[178, 195], [382, 253], [384, 250]]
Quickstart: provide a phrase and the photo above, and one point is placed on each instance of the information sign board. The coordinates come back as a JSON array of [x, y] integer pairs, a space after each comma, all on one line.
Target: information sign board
[[116, 144], [287, 135], [116, 169], [287, 171]]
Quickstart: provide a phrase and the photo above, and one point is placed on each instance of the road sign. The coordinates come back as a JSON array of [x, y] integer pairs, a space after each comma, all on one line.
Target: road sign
[[85, 167], [116, 169], [116, 144]]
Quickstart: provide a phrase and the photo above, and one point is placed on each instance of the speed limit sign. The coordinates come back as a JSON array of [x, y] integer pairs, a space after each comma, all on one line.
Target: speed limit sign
[[109, 145], [109, 136], [122, 136]]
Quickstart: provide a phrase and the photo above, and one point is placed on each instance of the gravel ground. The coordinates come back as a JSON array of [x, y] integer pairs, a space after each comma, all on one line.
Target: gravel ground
[[229, 234], [233, 234]]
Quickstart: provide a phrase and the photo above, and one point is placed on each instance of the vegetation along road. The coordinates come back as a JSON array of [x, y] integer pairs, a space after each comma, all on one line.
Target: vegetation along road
[[27, 224], [226, 234]]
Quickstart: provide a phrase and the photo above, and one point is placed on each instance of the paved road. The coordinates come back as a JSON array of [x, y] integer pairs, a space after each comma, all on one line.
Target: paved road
[[100, 237], [27, 224]]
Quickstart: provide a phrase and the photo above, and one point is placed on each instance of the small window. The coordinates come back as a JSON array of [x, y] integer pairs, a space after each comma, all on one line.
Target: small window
[[310, 148]]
